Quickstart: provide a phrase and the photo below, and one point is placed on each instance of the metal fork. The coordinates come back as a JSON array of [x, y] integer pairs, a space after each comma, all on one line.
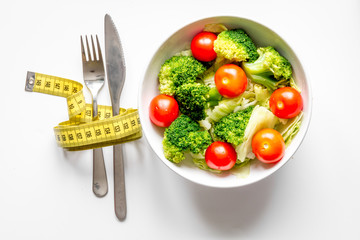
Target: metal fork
[[94, 78]]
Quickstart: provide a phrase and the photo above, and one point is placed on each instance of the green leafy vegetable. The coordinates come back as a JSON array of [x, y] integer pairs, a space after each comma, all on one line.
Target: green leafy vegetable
[[184, 135], [235, 45], [271, 69], [178, 70]]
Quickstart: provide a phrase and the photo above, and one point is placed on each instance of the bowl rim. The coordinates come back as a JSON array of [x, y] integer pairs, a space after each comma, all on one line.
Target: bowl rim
[[305, 124]]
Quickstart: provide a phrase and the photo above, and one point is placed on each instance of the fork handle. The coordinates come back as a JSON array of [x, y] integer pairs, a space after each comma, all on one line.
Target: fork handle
[[119, 183], [100, 183]]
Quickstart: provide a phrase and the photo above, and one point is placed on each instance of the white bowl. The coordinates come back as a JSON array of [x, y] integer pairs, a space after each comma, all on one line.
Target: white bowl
[[180, 40]]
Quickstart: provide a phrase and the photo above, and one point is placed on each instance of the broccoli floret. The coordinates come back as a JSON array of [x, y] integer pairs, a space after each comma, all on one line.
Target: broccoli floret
[[235, 45], [195, 98], [178, 70], [179, 129], [172, 152], [239, 128], [192, 99], [183, 135], [271, 69], [199, 141], [231, 128]]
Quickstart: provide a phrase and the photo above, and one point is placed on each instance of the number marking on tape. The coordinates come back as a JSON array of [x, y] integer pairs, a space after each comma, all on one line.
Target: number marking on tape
[[81, 131]]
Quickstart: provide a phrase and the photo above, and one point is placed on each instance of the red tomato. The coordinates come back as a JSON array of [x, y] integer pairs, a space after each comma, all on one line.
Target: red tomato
[[286, 102], [268, 145], [163, 110], [202, 46], [220, 156], [230, 80]]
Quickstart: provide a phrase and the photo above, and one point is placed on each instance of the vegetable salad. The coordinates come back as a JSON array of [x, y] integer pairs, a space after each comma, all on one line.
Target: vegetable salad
[[226, 102]]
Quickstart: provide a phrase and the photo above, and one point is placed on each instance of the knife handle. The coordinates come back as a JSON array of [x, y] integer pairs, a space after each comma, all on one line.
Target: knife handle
[[119, 183]]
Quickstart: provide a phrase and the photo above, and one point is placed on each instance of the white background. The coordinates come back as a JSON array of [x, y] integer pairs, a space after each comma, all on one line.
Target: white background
[[46, 192]]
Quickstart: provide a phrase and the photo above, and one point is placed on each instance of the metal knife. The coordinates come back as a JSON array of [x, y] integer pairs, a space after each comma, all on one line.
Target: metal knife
[[115, 68]]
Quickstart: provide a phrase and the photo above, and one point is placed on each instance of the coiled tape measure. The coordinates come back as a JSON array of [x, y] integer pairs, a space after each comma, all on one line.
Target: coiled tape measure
[[81, 131]]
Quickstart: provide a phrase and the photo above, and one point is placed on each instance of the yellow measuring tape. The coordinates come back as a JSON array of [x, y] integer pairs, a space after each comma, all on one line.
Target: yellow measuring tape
[[81, 131]]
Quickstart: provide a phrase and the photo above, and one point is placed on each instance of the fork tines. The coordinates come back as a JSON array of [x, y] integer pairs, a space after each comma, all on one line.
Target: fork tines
[[89, 56]]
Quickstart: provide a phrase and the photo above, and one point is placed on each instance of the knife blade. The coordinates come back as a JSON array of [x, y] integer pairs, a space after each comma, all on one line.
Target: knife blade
[[116, 70]]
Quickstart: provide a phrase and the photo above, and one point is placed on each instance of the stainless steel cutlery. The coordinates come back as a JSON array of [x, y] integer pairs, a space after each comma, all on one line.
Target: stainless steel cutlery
[[94, 78], [115, 69]]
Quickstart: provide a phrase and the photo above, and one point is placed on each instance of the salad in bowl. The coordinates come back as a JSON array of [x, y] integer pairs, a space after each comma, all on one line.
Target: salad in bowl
[[226, 103]]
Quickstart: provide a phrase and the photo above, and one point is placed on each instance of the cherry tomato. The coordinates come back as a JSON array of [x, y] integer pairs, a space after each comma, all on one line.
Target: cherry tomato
[[286, 102], [220, 156], [202, 46], [163, 110], [230, 80], [268, 145]]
